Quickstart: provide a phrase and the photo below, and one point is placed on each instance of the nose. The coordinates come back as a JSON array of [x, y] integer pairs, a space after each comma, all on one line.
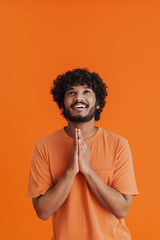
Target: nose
[[78, 97]]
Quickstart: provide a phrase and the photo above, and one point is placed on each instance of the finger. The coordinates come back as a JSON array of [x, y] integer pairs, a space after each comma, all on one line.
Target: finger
[[80, 139], [82, 142], [80, 134], [82, 147], [74, 137], [76, 140]]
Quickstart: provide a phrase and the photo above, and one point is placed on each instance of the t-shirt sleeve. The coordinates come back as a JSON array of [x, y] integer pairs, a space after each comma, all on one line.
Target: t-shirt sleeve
[[40, 179], [124, 177]]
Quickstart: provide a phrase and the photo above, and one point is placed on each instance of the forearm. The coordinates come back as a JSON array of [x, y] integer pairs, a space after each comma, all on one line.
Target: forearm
[[48, 203], [109, 197]]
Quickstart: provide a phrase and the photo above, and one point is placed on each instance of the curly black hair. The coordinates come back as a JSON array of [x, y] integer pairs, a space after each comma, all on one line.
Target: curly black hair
[[75, 77]]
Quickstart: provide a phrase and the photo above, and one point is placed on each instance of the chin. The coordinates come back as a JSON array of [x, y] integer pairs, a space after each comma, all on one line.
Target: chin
[[80, 118]]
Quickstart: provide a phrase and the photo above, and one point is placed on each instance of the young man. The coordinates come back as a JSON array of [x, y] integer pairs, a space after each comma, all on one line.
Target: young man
[[82, 175]]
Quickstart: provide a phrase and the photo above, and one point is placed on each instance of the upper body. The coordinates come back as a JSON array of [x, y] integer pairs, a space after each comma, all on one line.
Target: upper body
[[82, 175]]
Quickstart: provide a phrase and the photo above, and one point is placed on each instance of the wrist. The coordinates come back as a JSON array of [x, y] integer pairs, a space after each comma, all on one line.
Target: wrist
[[88, 171], [71, 172]]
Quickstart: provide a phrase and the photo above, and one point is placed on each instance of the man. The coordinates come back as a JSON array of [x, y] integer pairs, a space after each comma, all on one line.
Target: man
[[82, 175]]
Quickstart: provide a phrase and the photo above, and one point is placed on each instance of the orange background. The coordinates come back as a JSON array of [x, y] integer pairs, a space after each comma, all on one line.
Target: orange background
[[41, 39]]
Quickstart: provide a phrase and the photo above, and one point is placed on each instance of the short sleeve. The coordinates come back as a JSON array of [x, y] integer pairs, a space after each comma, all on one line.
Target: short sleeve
[[40, 179], [124, 177]]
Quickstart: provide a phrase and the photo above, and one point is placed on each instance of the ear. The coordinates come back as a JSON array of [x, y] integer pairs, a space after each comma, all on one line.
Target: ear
[[97, 107]]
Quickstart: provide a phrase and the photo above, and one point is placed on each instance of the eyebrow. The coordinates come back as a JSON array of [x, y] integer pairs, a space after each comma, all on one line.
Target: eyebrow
[[74, 89]]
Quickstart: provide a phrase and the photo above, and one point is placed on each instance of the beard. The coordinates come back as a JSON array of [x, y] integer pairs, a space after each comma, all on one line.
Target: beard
[[79, 118]]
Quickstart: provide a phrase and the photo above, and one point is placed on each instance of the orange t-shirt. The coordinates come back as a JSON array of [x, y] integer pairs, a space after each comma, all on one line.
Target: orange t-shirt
[[82, 217]]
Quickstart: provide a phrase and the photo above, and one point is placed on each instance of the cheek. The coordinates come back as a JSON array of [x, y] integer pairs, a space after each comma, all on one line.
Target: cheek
[[67, 102], [93, 101]]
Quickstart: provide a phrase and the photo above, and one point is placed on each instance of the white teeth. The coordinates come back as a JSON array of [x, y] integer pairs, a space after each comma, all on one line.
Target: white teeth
[[79, 106]]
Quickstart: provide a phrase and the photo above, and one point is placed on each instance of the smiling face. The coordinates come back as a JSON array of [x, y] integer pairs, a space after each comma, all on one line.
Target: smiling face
[[79, 104]]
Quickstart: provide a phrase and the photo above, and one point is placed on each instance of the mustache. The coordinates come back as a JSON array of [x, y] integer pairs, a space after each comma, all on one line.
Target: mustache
[[86, 105]]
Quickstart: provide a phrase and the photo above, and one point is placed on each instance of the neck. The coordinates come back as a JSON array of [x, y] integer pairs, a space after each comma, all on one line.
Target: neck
[[87, 128]]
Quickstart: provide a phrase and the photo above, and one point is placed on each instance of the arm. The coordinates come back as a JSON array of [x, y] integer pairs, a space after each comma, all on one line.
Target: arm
[[114, 201], [45, 205]]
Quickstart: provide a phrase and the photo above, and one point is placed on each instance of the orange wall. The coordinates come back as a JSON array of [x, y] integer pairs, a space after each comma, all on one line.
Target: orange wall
[[41, 39]]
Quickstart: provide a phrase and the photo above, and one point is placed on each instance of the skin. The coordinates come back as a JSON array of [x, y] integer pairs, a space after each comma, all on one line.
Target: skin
[[111, 199]]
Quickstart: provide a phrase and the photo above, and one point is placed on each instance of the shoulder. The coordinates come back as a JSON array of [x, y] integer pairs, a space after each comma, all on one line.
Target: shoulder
[[112, 137], [49, 138]]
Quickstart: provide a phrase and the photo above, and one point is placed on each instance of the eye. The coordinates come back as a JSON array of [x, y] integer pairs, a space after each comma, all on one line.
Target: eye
[[87, 91], [71, 93]]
